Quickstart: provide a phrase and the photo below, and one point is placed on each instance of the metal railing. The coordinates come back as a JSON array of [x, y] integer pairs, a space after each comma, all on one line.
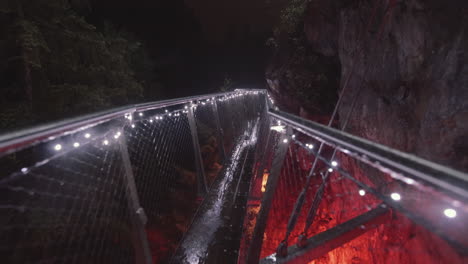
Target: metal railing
[[122, 186], [119, 186], [357, 186]]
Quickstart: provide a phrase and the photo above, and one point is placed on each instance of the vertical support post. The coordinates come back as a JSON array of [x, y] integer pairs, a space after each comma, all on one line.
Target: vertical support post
[[137, 214], [201, 179], [219, 130], [264, 150], [253, 254]]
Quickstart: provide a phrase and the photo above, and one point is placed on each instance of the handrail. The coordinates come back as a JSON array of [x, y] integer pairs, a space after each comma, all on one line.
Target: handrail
[[17, 139], [381, 157]]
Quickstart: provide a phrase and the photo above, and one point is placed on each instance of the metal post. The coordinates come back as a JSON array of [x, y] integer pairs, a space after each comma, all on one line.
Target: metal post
[[263, 153], [253, 254], [332, 238], [137, 214], [201, 179], [219, 130]]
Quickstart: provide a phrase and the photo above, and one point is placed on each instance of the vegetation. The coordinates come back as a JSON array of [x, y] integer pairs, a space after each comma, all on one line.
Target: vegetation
[[56, 64]]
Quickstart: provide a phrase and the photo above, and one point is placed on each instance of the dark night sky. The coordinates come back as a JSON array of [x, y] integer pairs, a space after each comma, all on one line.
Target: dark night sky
[[197, 43]]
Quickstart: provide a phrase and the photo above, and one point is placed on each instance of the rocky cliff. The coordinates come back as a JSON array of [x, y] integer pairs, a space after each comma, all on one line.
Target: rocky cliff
[[406, 63]]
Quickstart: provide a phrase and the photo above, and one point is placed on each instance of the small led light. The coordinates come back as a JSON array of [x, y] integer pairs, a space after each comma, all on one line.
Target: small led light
[[409, 181], [186, 107], [58, 147], [330, 170], [24, 170], [450, 213], [285, 140], [105, 142], [170, 114], [87, 135], [310, 146], [278, 128], [140, 114], [396, 196], [133, 126], [293, 136], [151, 120], [166, 111], [334, 163], [362, 192], [76, 144]]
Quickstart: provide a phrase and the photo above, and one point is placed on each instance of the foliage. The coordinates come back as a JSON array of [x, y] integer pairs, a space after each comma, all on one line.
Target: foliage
[[72, 66], [290, 24], [227, 85], [292, 16]]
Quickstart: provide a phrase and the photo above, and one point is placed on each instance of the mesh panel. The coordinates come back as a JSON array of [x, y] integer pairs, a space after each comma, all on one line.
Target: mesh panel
[[162, 157], [206, 119], [418, 229], [74, 198], [71, 208]]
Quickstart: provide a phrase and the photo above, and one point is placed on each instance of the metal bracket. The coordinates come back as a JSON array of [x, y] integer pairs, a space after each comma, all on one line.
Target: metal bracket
[[137, 215], [201, 179], [219, 129], [253, 254]]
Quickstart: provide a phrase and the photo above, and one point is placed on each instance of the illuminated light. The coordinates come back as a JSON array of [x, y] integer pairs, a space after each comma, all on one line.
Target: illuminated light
[[395, 196], [133, 126], [330, 170], [151, 120], [58, 147], [293, 136], [334, 163], [24, 170], [105, 142], [170, 114], [346, 151], [76, 144], [450, 213], [279, 129], [310, 146], [409, 181], [166, 111], [87, 135], [279, 123], [141, 114], [362, 192], [203, 103], [285, 140], [117, 135]]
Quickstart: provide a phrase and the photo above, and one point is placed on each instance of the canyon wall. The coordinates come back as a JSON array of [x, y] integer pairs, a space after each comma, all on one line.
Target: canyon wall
[[405, 62]]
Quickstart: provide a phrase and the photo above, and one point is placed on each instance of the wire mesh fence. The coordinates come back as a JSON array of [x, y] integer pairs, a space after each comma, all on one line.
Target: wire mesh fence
[[117, 188], [123, 188], [354, 209]]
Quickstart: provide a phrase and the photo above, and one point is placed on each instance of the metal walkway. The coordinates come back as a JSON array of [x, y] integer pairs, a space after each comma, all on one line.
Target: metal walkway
[[220, 178]]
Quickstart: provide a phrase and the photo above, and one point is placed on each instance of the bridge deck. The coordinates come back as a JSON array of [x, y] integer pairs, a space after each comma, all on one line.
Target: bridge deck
[[215, 233]]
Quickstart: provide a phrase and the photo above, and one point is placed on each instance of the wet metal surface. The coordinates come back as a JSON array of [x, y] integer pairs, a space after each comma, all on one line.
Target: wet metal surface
[[215, 233]]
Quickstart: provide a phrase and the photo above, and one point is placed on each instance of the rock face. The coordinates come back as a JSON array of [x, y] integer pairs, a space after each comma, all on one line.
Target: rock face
[[406, 63]]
